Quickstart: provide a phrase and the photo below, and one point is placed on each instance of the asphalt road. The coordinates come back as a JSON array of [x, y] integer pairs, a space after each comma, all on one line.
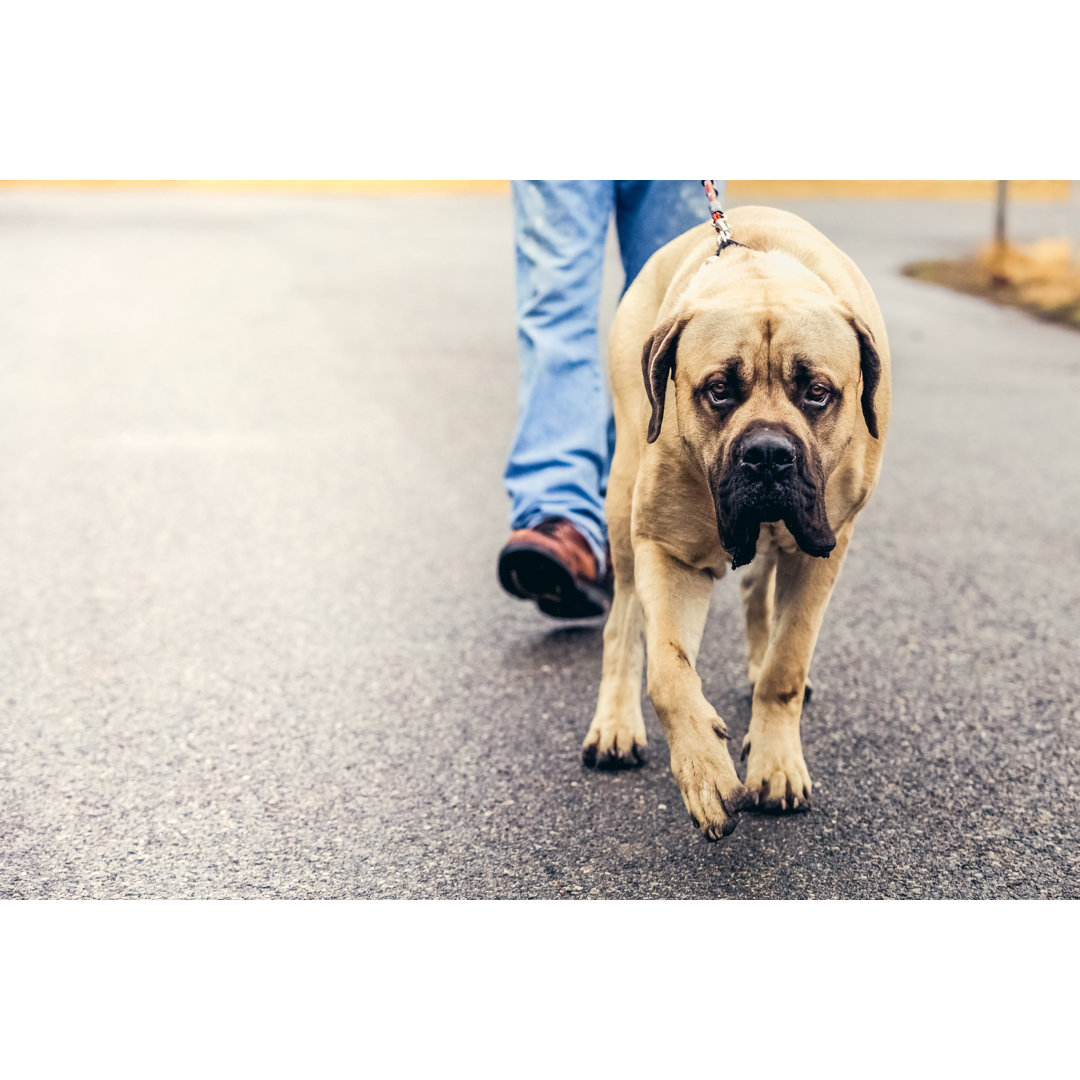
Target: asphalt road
[[251, 641]]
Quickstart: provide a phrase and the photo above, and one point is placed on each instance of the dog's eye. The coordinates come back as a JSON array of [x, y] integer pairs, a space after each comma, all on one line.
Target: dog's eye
[[718, 393], [817, 394]]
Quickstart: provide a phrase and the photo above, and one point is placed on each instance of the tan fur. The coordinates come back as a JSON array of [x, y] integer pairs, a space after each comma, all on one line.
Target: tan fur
[[788, 292]]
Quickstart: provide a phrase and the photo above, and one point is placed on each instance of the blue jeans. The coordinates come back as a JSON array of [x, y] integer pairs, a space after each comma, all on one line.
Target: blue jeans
[[561, 453]]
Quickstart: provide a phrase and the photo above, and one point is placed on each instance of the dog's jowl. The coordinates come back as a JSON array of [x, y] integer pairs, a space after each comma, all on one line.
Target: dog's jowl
[[751, 395]]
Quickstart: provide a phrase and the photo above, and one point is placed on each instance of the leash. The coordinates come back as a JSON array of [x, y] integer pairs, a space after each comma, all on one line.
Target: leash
[[723, 230]]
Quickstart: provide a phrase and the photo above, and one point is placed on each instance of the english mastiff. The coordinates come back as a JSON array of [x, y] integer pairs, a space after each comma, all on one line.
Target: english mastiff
[[751, 391]]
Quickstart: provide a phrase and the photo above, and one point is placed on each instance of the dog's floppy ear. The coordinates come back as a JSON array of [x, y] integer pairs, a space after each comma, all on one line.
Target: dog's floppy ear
[[870, 363], [657, 366]]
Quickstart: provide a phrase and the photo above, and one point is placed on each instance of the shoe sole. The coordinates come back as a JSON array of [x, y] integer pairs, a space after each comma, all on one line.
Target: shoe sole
[[533, 574]]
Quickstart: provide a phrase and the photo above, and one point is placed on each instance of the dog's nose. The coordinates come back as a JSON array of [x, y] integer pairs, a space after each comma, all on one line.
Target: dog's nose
[[767, 453]]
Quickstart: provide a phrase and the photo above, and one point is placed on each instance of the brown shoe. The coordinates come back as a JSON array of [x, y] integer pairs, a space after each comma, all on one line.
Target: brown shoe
[[554, 565]]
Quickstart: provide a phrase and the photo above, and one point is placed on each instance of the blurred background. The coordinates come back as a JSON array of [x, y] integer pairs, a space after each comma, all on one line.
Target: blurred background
[[251, 640]]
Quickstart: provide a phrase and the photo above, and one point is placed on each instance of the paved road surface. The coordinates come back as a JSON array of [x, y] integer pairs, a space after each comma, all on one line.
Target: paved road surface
[[251, 642]]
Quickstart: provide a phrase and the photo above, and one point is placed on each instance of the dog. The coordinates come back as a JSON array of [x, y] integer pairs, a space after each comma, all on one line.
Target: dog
[[751, 389]]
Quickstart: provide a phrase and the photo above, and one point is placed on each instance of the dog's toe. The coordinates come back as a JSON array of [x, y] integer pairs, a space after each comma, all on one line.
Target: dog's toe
[[714, 814], [783, 791], [614, 748], [709, 785], [618, 758]]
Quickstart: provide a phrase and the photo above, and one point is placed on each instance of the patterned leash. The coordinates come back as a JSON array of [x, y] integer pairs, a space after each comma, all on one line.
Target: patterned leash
[[723, 230]]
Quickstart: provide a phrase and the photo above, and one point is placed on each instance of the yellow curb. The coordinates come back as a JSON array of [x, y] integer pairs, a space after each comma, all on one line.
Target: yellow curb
[[305, 187], [980, 190], [737, 190]]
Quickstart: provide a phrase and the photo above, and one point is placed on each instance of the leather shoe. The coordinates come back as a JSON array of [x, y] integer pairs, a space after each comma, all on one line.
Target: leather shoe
[[553, 564]]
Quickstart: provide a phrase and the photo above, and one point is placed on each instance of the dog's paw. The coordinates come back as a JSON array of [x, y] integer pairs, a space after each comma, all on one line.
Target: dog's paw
[[615, 742], [709, 784], [776, 775]]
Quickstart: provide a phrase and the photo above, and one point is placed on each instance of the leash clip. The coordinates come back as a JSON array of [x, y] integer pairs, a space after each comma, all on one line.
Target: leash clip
[[723, 230]]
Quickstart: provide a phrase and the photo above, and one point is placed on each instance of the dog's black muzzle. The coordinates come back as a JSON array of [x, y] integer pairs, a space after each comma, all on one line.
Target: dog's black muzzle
[[765, 461], [771, 476]]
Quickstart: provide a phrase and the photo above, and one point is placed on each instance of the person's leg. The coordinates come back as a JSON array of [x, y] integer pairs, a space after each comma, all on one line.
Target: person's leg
[[559, 458], [650, 213], [557, 472]]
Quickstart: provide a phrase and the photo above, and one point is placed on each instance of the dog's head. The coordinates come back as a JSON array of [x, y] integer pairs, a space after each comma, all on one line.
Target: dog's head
[[773, 385]]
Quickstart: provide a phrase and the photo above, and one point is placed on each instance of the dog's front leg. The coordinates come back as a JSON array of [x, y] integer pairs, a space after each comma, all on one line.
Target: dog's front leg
[[675, 599], [756, 585], [776, 773], [616, 737]]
